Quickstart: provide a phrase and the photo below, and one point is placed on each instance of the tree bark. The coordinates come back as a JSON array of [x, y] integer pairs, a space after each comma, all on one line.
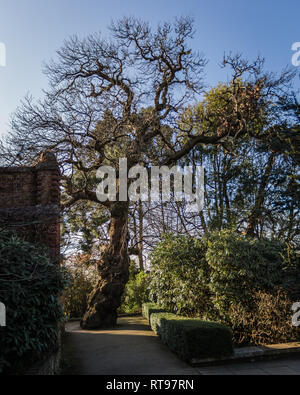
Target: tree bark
[[260, 198], [140, 237], [113, 273]]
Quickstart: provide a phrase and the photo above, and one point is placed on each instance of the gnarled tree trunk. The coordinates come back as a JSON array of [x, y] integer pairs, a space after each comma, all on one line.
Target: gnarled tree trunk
[[113, 271]]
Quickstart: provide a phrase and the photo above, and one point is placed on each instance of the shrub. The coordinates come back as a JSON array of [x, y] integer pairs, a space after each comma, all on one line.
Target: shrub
[[150, 308], [270, 322], [192, 338], [229, 278], [292, 275], [239, 266], [136, 291], [29, 286], [179, 276], [82, 276]]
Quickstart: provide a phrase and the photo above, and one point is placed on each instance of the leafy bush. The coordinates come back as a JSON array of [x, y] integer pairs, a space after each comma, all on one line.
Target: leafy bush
[[292, 275], [192, 338], [136, 291], [150, 308], [82, 275], [179, 276], [229, 278], [29, 286], [239, 266]]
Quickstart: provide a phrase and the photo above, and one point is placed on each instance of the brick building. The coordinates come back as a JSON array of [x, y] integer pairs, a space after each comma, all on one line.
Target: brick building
[[29, 202]]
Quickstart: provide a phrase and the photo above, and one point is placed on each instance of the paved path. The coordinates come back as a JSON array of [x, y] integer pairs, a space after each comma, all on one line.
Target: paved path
[[133, 349], [290, 366], [130, 348]]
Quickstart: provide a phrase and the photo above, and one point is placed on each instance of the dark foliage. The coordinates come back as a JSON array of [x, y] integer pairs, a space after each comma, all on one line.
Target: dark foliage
[[29, 286]]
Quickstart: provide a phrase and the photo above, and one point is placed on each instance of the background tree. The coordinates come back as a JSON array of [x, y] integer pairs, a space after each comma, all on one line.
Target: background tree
[[251, 184]]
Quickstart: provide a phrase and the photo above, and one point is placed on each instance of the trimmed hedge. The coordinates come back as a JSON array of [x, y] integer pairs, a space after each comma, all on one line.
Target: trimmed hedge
[[189, 338], [150, 308]]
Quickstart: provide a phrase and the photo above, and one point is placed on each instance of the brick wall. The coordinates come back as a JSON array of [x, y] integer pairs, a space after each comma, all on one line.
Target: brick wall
[[29, 202]]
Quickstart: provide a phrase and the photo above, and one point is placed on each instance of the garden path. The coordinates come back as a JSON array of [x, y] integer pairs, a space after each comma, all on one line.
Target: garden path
[[132, 348]]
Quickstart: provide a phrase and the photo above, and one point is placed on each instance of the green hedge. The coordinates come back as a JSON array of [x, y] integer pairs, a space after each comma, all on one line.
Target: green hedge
[[189, 338], [150, 308], [192, 338]]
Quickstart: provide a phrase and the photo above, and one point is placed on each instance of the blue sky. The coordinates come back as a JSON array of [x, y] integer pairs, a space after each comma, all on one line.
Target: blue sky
[[33, 29]]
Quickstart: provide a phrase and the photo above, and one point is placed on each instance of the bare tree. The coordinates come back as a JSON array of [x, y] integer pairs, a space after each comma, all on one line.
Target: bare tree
[[117, 98]]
